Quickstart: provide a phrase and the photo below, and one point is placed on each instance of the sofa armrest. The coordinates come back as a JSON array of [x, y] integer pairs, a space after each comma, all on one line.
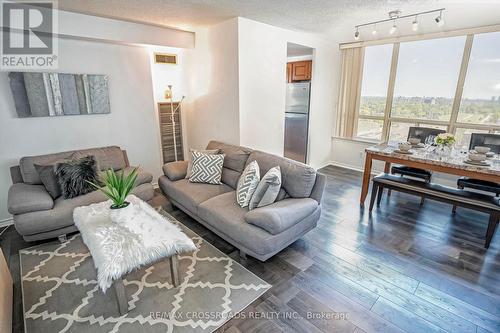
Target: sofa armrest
[[24, 198], [281, 215], [176, 170]]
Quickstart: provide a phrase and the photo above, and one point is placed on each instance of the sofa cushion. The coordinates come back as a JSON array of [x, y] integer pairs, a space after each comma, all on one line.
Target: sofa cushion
[[281, 215], [23, 198], [297, 178], [49, 180], [206, 168], [75, 176], [107, 157], [228, 219], [247, 184], [234, 161], [176, 170], [190, 195], [268, 189], [190, 161]]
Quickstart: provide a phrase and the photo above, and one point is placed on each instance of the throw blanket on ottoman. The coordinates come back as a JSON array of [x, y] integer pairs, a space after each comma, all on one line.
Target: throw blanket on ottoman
[[125, 239]]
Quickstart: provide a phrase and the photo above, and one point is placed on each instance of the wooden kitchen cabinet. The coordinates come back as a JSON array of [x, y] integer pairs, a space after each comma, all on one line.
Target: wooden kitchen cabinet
[[289, 72], [299, 71]]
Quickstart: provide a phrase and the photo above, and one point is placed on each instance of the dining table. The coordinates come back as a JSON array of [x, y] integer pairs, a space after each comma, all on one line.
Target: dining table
[[428, 157]]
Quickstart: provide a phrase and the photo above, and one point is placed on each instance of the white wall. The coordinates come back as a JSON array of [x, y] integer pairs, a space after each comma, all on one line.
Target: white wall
[[262, 78], [130, 125], [121, 50], [213, 98], [262, 72]]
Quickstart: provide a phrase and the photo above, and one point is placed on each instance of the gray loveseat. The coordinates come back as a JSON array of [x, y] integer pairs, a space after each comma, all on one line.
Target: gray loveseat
[[38, 216], [261, 232]]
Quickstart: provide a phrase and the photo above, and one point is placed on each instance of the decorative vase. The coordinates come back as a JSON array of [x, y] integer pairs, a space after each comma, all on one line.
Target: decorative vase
[[123, 205], [444, 151], [121, 214]]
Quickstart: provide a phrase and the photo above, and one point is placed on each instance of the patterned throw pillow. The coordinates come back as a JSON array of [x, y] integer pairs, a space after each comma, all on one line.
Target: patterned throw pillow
[[206, 168], [190, 162], [267, 190], [247, 183]]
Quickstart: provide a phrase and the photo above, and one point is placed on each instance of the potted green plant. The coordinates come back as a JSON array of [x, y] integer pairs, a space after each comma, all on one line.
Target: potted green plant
[[117, 186]]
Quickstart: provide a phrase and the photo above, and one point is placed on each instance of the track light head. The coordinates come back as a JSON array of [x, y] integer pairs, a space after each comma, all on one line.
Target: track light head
[[439, 20], [394, 28], [356, 34], [374, 31], [414, 25]]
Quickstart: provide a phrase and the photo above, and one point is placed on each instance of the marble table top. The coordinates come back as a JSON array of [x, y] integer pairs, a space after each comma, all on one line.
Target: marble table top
[[429, 155]]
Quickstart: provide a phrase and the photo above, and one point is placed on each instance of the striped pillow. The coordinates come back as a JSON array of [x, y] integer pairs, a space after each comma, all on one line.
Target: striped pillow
[[247, 184], [206, 168]]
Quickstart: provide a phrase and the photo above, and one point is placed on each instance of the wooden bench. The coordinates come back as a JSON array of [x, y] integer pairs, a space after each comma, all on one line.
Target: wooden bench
[[477, 201]]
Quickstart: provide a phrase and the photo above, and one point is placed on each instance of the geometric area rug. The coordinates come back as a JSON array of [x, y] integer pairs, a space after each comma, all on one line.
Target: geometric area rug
[[60, 291]]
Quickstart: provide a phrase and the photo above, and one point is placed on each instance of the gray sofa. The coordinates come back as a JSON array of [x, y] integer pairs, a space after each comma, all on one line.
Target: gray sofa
[[38, 216], [261, 232]]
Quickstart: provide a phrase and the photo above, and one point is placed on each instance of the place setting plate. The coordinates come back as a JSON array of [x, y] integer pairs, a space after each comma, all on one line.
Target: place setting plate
[[477, 163], [418, 146], [406, 152]]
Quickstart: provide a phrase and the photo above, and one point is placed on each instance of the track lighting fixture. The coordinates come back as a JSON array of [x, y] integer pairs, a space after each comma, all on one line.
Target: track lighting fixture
[[439, 20], [356, 34], [395, 15], [394, 28]]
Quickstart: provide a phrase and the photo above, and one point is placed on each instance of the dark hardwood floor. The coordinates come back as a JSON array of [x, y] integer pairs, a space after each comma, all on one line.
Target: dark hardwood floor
[[405, 268]]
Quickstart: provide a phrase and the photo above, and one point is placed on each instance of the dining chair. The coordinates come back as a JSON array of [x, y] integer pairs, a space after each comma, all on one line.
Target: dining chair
[[426, 135], [486, 140]]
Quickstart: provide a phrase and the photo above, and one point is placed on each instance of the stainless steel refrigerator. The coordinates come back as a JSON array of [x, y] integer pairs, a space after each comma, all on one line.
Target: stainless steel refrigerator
[[297, 120]]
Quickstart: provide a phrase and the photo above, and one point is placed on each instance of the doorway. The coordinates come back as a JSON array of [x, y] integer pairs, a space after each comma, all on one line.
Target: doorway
[[298, 93]]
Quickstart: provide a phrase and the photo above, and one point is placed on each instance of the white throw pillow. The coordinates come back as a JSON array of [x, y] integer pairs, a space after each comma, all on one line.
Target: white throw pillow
[[267, 190], [247, 183], [190, 162], [207, 168]]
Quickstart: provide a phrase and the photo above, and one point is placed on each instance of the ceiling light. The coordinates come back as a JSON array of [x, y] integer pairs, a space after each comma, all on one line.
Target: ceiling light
[[414, 25], [394, 28], [439, 20], [356, 34], [374, 31]]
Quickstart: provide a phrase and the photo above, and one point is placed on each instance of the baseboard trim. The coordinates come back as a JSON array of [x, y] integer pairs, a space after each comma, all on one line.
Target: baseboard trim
[[6, 222], [352, 167]]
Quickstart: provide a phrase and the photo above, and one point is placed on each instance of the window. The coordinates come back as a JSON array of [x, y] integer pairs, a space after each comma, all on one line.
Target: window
[[376, 68], [426, 79], [480, 102], [419, 83]]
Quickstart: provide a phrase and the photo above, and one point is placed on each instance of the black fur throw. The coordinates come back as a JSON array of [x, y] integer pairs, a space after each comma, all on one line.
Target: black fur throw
[[73, 175]]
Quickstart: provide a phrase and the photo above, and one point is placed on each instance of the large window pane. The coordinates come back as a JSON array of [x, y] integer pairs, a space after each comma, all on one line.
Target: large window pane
[[376, 70], [481, 97], [426, 78], [463, 135], [370, 129]]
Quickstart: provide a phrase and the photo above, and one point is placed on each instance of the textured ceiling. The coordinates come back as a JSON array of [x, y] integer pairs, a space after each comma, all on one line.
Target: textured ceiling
[[333, 18]]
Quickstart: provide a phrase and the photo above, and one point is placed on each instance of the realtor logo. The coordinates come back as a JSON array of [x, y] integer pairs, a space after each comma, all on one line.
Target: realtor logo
[[28, 35]]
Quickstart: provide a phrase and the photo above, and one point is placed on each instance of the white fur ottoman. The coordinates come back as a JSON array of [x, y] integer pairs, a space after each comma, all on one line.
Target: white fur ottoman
[[126, 239]]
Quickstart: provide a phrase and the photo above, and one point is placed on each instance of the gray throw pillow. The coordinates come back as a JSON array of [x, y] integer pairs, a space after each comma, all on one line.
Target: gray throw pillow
[[206, 168], [49, 179], [73, 176], [190, 162], [267, 190], [247, 184]]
